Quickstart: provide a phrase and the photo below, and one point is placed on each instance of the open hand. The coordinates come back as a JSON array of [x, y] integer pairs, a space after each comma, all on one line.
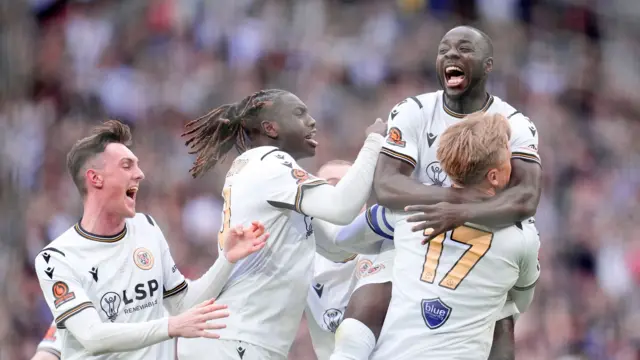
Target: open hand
[[242, 242], [193, 322], [436, 219]]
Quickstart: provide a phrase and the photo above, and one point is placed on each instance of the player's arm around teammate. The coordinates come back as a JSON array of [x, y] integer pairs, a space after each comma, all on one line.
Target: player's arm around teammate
[[471, 51]]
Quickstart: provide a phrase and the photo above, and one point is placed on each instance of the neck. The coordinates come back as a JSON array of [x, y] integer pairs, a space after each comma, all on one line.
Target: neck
[[100, 222], [263, 140], [468, 103], [483, 188]]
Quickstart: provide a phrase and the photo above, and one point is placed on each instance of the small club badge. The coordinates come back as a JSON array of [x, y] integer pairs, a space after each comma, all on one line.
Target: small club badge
[[143, 258]]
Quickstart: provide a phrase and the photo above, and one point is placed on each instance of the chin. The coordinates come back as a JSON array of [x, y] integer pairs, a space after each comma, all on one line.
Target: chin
[[128, 212]]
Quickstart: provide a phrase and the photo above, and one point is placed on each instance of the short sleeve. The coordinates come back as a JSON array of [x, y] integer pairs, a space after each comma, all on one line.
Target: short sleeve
[[285, 181], [173, 280], [524, 138], [529, 264], [380, 221], [51, 342], [403, 131], [61, 286], [508, 309]]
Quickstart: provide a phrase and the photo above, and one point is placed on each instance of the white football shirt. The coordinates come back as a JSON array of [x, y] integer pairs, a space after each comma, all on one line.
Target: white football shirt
[[415, 125], [334, 282], [267, 290], [124, 277], [448, 295]]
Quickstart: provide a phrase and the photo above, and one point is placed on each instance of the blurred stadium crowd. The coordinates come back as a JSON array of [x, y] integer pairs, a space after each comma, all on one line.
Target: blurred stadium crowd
[[570, 65]]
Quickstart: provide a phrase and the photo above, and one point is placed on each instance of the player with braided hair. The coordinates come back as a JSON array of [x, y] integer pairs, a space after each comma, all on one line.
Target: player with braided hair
[[266, 293]]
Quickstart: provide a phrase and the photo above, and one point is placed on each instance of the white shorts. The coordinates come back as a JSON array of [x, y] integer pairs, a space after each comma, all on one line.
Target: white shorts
[[227, 350], [376, 269]]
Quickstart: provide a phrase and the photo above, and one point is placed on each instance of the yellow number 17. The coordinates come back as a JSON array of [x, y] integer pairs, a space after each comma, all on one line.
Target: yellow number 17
[[226, 216], [479, 242]]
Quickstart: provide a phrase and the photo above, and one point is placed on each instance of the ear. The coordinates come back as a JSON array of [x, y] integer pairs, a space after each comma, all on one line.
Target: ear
[[95, 180], [488, 65], [492, 177], [270, 128]]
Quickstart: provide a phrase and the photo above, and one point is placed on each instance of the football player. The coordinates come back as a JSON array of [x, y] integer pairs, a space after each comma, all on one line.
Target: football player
[[109, 278], [449, 308], [335, 282], [408, 162], [267, 291]]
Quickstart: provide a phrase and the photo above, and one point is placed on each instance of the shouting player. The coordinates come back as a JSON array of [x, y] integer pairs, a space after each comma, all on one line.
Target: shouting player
[[449, 308], [267, 291], [107, 278], [408, 161]]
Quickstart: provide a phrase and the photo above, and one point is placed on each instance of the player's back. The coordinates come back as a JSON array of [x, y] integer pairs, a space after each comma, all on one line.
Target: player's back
[[121, 276], [267, 291], [447, 295]]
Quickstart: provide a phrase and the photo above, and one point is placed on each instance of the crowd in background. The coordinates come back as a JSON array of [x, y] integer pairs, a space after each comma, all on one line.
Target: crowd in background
[[570, 65]]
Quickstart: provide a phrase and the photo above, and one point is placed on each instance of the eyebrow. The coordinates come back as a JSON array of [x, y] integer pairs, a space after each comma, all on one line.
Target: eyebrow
[[128, 159]]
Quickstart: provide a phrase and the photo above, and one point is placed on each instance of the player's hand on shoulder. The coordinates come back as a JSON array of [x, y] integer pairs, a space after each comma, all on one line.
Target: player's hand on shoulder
[[378, 127], [242, 242], [193, 323], [436, 219]]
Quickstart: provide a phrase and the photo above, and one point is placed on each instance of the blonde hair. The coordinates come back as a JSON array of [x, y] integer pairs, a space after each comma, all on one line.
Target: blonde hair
[[470, 148]]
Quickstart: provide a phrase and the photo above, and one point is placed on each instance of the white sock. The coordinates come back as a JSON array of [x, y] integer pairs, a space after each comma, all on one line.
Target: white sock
[[354, 341]]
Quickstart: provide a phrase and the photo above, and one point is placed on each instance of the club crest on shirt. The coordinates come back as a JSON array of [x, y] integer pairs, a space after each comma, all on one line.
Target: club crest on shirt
[[362, 268], [332, 319], [395, 137], [143, 258], [61, 293], [435, 312], [436, 174], [300, 175], [110, 304]]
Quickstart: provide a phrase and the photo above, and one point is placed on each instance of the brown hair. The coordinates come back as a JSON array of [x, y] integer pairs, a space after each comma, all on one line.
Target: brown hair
[[111, 131], [473, 146], [212, 135]]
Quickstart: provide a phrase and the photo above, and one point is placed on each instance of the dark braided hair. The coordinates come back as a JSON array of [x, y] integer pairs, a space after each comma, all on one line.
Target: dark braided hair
[[212, 135]]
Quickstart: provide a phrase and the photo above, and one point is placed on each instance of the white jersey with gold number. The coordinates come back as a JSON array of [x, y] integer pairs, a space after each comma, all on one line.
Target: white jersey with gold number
[[448, 295], [415, 125], [124, 277], [267, 290], [51, 342]]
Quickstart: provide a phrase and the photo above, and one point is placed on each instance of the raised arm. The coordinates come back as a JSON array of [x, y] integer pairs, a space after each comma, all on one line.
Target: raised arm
[[295, 189]]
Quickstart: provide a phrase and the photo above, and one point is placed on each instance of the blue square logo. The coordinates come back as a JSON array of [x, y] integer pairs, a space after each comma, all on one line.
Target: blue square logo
[[435, 312]]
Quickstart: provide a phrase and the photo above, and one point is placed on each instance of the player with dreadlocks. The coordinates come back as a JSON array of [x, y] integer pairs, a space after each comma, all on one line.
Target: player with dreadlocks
[[266, 293]]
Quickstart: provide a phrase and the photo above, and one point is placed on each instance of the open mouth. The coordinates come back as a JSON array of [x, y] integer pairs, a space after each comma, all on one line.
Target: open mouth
[[309, 139], [454, 76], [131, 192]]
